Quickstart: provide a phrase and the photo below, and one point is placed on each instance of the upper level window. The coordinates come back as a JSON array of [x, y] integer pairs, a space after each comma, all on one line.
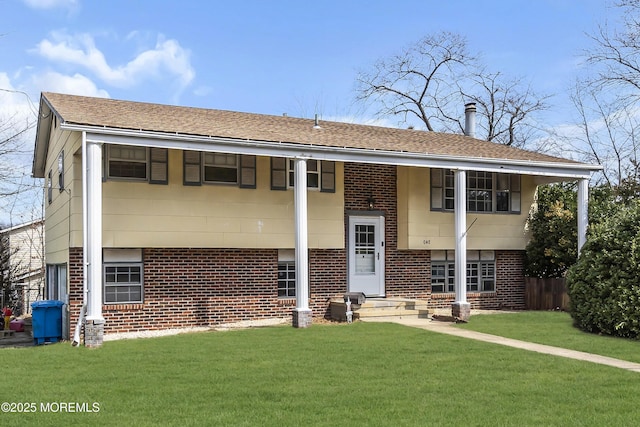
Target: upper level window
[[218, 168], [313, 173], [137, 163], [321, 175], [486, 191], [127, 162]]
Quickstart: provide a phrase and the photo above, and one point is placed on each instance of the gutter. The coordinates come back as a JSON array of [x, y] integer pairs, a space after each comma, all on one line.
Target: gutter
[[345, 154]]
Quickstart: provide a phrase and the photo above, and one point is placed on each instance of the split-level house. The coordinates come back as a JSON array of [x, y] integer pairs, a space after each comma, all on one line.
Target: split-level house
[[167, 217]]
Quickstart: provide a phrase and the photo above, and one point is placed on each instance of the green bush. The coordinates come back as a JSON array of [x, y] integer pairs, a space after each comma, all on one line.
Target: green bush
[[604, 284], [553, 247]]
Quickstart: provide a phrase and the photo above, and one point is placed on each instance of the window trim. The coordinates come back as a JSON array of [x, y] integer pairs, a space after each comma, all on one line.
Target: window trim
[[130, 284], [282, 175], [286, 258], [442, 191], [203, 174], [108, 159], [476, 259]]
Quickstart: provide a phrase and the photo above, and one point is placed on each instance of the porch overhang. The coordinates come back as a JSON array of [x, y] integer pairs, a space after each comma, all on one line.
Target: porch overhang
[[552, 171]]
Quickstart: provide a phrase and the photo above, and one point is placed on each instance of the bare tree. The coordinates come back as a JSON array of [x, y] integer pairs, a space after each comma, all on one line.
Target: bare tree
[[616, 54], [608, 134], [18, 190], [418, 82], [607, 100], [432, 79]]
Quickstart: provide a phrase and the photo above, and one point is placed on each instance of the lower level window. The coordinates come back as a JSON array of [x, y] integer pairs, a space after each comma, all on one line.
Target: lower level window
[[122, 283], [286, 279], [481, 271]]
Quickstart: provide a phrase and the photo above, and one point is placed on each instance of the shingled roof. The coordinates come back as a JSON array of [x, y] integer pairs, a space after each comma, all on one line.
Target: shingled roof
[[168, 119]]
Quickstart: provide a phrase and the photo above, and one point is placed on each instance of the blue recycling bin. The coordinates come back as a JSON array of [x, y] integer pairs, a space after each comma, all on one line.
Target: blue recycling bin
[[46, 321]]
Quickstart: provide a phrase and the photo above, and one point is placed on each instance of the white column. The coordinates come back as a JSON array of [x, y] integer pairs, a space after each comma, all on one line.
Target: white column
[[302, 314], [460, 210], [93, 245], [583, 212]]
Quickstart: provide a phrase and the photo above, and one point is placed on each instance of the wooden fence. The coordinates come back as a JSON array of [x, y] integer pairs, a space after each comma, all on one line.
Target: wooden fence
[[545, 294]]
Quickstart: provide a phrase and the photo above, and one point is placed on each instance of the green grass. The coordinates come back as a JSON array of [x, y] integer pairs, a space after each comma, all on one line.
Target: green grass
[[363, 374], [554, 328]]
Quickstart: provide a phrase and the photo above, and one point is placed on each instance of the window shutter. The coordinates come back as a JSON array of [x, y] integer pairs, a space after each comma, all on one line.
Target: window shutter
[[278, 173], [437, 186], [192, 168], [247, 171], [515, 194], [328, 178], [159, 166]]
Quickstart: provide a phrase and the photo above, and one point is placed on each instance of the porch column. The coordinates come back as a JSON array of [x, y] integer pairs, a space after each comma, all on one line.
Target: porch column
[[94, 326], [302, 315], [460, 308], [583, 212]]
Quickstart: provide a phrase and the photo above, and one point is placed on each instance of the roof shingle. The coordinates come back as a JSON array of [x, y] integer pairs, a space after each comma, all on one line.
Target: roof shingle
[[138, 116]]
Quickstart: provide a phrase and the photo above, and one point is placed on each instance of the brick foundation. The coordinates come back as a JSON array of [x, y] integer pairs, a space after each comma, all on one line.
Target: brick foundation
[[461, 310], [93, 333], [302, 318]]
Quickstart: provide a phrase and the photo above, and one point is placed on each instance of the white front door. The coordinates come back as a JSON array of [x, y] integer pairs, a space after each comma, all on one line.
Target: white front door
[[366, 255]]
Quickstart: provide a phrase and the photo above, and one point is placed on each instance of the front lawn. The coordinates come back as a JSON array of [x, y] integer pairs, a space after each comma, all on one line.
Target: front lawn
[[364, 374], [553, 328]]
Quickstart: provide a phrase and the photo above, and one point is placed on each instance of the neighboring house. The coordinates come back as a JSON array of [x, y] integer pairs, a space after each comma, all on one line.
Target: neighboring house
[[26, 249], [167, 217]]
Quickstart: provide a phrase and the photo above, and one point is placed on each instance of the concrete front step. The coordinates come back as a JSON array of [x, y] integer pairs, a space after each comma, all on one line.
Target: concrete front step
[[401, 313], [380, 308]]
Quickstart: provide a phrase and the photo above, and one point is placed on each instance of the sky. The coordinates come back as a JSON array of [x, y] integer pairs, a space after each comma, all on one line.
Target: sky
[[270, 57]]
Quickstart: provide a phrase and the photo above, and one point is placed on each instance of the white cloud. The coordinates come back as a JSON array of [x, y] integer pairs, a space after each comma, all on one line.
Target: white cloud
[[50, 4], [76, 84], [166, 59]]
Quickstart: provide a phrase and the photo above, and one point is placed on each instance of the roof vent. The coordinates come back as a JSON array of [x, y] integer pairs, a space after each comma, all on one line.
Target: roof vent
[[316, 125], [470, 119]]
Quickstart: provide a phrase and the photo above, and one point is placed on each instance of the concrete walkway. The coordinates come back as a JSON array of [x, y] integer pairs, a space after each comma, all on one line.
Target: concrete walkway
[[449, 329]]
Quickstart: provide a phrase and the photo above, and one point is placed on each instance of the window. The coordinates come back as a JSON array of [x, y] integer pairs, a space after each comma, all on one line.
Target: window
[[313, 173], [481, 271], [486, 191], [122, 283], [479, 191], [49, 187], [56, 282], [127, 162], [138, 163], [320, 174], [61, 171], [123, 276], [220, 168], [286, 274]]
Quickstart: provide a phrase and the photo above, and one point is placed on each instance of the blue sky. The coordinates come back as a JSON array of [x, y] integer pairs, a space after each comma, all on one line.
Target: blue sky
[[274, 56]]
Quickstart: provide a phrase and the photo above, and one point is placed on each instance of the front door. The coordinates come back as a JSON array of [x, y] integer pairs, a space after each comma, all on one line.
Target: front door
[[366, 255]]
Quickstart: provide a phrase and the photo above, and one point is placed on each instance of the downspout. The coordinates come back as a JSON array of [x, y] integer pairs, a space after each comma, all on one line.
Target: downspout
[[83, 310]]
